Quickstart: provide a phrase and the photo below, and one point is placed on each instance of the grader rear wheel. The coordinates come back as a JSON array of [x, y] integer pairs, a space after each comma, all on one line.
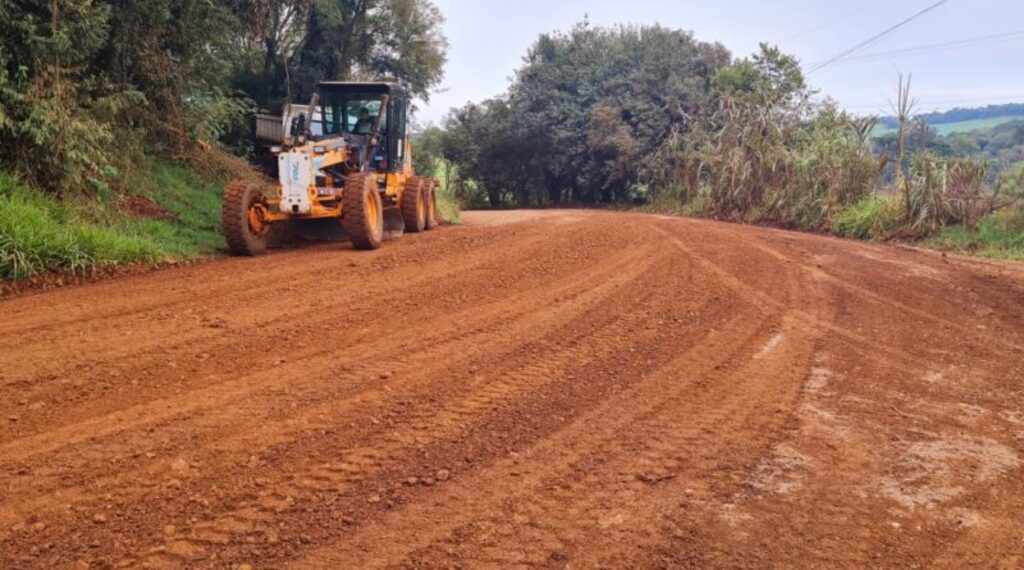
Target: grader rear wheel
[[363, 214], [244, 218], [414, 211], [431, 200]]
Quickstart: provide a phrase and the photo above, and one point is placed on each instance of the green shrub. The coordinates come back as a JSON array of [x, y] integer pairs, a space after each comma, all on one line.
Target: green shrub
[[1011, 188], [944, 192], [871, 218], [998, 235], [448, 205]]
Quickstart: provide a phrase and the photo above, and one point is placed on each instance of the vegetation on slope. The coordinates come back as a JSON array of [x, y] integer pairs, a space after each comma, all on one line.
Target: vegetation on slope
[[999, 235], [41, 233]]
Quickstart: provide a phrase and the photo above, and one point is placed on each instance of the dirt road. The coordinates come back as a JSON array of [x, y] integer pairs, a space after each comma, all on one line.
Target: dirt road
[[556, 389]]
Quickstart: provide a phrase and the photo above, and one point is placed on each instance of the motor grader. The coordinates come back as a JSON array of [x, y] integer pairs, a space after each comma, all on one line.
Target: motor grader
[[351, 161]]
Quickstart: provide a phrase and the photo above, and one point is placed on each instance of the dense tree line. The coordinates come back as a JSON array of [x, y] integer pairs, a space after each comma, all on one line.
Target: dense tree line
[[630, 114], [86, 88], [585, 115], [648, 114]]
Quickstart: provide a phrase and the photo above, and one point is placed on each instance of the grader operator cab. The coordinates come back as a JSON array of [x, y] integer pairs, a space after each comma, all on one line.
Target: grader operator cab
[[351, 161]]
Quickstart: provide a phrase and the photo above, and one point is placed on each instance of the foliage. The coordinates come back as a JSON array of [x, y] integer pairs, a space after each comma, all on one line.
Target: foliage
[[584, 116], [961, 115], [448, 204], [943, 192], [428, 152], [193, 204], [833, 167], [38, 233], [51, 111], [998, 235], [364, 39], [1002, 145], [88, 88], [875, 217], [1010, 189], [766, 154]]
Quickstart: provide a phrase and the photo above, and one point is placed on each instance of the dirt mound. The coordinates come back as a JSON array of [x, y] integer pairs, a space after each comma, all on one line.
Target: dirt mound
[[139, 207]]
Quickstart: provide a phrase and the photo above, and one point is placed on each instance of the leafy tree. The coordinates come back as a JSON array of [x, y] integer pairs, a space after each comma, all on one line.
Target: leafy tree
[[586, 114], [51, 107], [364, 39], [272, 33], [89, 86]]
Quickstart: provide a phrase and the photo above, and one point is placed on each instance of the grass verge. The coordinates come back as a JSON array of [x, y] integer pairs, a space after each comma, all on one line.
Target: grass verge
[[193, 205], [40, 233], [999, 236]]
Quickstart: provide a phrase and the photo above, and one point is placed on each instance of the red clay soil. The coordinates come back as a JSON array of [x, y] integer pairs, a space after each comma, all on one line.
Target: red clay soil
[[557, 389]]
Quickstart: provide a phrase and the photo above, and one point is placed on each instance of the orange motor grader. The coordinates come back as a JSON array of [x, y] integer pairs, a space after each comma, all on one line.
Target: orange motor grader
[[351, 161]]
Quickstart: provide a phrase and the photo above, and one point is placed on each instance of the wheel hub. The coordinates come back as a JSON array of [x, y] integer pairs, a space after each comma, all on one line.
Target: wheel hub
[[258, 219]]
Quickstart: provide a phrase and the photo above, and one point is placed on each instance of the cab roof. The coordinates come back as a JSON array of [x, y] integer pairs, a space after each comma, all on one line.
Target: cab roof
[[388, 87]]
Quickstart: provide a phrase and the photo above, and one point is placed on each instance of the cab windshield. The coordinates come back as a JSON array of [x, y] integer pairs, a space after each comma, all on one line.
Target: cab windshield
[[349, 113]]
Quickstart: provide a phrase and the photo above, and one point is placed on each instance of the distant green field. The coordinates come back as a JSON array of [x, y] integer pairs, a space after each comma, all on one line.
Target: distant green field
[[975, 125], [959, 127]]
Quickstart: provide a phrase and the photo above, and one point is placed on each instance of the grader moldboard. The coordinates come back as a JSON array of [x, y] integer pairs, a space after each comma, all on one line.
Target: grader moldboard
[[351, 161]]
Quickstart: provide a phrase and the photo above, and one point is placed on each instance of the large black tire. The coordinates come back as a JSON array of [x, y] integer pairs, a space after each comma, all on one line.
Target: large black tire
[[413, 206], [243, 218], [430, 189], [363, 215]]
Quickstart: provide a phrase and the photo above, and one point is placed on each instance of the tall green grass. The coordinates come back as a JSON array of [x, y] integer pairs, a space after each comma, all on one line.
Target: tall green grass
[[194, 208], [40, 233], [999, 235], [448, 204]]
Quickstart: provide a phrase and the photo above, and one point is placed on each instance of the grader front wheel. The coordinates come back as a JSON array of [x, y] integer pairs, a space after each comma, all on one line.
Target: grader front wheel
[[363, 214], [244, 218]]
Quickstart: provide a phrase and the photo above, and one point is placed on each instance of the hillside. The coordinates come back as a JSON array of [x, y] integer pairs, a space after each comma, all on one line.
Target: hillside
[[968, 126], [959, 120]]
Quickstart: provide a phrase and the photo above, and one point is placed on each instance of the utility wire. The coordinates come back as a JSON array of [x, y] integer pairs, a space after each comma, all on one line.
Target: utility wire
[[829, 23], [877, 36], [964, 43]]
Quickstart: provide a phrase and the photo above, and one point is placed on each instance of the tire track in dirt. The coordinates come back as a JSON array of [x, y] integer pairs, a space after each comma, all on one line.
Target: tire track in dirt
[[556, 389], [475, 319], [613, 467], [477, 324], [313, 406], [604, 269]]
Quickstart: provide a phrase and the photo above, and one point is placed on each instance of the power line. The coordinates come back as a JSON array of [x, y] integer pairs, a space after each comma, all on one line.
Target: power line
[[829, 23], [944, 46], [877, 36]]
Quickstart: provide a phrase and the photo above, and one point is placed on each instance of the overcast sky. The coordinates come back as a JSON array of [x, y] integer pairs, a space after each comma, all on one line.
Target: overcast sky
[[489, 38]]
